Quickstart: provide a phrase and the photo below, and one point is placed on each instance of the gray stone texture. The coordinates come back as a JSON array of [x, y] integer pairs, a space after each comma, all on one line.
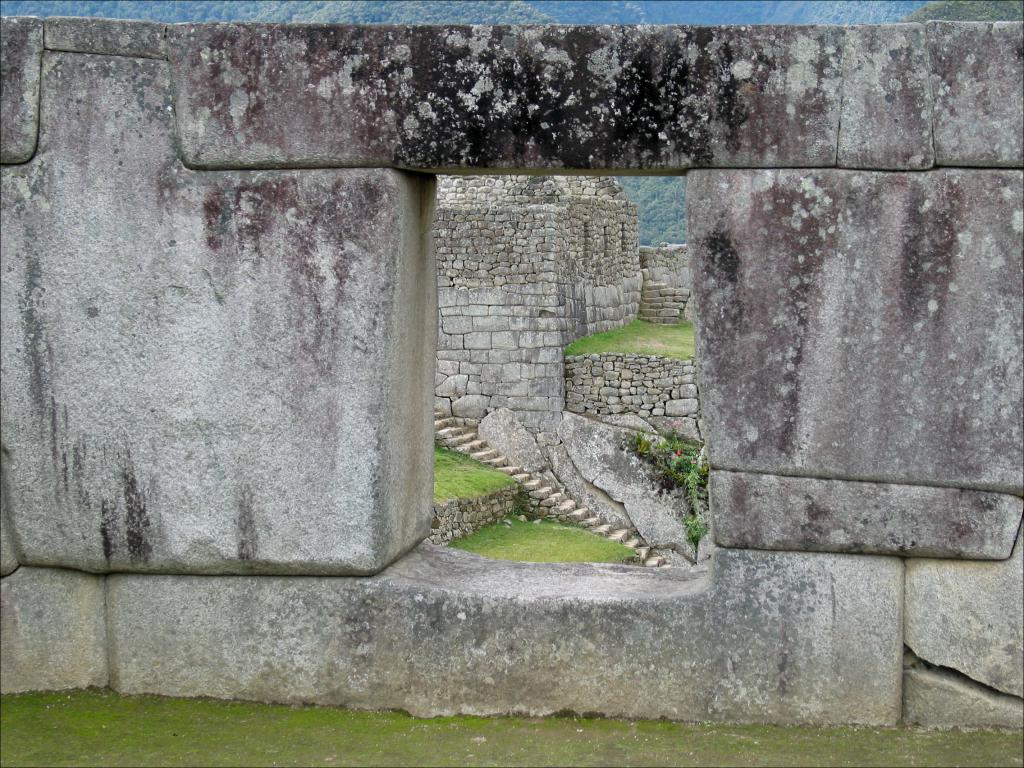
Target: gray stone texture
[[457, 518], [8, 550], [115, 37], [977, 73], [208, 372], [54, 630], [862, 326], [969, 616], [810, 514], [503, 431], [584, 492], [21, 49], [886, 116], [937, 698], [447, 97], [599, 452], [768, 637]]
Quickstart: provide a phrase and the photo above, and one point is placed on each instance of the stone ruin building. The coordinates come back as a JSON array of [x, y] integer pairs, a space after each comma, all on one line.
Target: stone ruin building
[[219, 323]]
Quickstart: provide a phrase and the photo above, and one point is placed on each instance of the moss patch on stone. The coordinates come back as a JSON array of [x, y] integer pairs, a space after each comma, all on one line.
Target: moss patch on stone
[[102, 728], [543, 542], [639, 338], [459, 477]]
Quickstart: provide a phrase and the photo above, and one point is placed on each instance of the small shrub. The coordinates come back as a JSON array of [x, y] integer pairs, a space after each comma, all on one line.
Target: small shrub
[[679, 464]]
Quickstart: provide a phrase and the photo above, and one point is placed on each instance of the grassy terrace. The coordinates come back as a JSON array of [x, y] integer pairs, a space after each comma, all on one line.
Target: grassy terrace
[[639, 338], [543, 542], [459, 477], [101, 728]]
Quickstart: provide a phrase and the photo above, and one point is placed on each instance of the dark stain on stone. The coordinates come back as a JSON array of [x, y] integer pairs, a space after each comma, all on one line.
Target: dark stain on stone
[[92, 312], [216, 218], [816, 512], [108, 527], [929, 243], [245, 523], [729, 107], [723, 267], [136, 519], [37, 344]]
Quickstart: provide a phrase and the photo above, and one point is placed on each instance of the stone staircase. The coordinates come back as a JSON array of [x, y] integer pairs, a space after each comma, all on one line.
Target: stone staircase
[[546, 498], [661, 303]]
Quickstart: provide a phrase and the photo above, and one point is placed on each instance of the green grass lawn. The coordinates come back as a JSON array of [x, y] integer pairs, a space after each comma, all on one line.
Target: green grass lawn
[[86, 728], [543, 542], [459, 477], [640, 338]]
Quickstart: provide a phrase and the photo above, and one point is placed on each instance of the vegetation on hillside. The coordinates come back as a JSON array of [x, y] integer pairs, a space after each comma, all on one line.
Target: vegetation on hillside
[[459, 477], [662, 207], [639, 338], [970, 10], [679, 464], [543, 541]]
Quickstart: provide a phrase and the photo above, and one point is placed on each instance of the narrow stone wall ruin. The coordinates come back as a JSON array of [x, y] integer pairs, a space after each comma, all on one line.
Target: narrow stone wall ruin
[[526, 264], [218, 322]]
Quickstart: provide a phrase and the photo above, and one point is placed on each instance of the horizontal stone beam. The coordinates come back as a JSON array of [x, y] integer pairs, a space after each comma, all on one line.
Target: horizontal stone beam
[[659, 98], [769, 637]]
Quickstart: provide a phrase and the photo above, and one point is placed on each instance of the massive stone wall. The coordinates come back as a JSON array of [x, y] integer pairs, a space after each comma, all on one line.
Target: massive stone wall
[[217, 350], [526, 264]]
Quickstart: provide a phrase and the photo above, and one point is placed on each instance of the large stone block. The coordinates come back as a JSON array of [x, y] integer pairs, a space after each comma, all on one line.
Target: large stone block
[[54, 630], [969, 617], [21, 48], [862, 326], [978, 86], [804, 513], [768, 637], [8, 551], [503, 431], [115, 37], [937, 698], [886, 119], [221, 372], [536, 97]]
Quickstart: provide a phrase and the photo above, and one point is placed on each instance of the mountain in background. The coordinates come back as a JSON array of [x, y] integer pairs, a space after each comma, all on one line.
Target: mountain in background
[[659, 198]]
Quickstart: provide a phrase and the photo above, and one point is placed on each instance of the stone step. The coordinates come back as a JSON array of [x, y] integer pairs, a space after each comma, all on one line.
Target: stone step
[[455, 442], [542, 493], [590, 522], [447, 432], [510, 470], [620, 535], [632, 543], [602, 529], [566, 507], [473, 446], [580, 514], [485, 454], [641, 553], [440, 424], [665, 565], [519, 477], [497, 462], [654, 561], [533, 485]]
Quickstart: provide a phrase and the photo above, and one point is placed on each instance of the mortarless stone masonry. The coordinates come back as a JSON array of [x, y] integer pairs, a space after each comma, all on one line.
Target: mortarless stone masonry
[[457, 518], [526, 264]]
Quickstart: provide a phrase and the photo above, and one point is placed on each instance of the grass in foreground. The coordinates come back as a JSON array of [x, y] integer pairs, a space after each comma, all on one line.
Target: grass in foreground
[[543, 542], [639, 338], [459, 477], [101, 728]]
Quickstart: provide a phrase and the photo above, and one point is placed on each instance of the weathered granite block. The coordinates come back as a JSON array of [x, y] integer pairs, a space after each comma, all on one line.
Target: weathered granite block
[[810, 514], [116, 37], [504, 97], [978, 86], [886, 118], [768, 637], [54, 630], [969, 617], [937, 698], [21, 48], [208, 372], [844, 314]]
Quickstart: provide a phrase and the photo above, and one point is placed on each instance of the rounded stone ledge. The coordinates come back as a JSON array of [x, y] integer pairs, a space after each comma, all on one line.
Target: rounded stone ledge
[[443, 632]]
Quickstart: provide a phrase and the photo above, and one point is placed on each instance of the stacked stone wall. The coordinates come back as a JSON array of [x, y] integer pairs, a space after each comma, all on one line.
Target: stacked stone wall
[[667, 267], [526, 265], [644, 385], [458, 518]]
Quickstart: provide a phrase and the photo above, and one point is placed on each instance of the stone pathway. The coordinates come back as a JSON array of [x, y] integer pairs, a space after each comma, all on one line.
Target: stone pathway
[[545, 496], [661, 303]]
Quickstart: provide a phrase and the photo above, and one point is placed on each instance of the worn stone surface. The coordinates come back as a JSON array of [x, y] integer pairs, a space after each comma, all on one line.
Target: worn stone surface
[[937, 698], [503, 431], [8, 551], [886, 116], [863, 326], [768, 637], [21, 48], [978, 86], [116, 37], [600, 454], [208, 372], [584, 492], [533, 97], [809, 514], [969, 617], [54, 630]]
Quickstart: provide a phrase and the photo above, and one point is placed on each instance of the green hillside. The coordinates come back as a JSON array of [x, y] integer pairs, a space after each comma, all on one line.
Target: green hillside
[[662, 204]]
